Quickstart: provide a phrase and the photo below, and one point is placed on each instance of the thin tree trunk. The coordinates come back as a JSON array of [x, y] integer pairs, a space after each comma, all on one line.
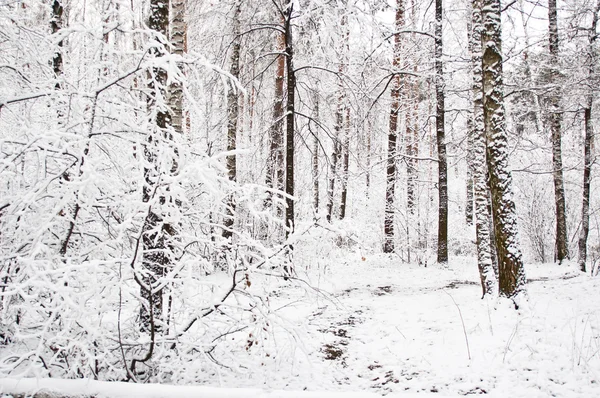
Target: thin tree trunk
[[588, 145], [346, 138], [275, 163], [345, 165], [388, 226], [562, 251], [477, 158], [510, 262], [178, 34], [232, 122], [470, 197], [315, 154], [442, 250], [56, 24], [368, 158], [290, 128]]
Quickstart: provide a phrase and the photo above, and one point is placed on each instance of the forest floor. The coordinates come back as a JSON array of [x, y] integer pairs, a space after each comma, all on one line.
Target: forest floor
[[379, 326], [392, 328]]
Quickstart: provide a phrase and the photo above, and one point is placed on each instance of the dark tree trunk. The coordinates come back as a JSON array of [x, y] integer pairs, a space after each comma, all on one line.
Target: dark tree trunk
[[562, 251], [388, 225], [442, 251], [275, 163], [510, 262], [290, 129]]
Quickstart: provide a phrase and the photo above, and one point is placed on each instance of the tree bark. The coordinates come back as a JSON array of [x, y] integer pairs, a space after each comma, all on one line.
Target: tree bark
[[232, 122], [510, 262], [442, 249], [56, 24], [388, 226], [155, 257], [562, 252], [315, 154], [588, 144], [346, 138], [478, 165], [290, 128], [275, 164]]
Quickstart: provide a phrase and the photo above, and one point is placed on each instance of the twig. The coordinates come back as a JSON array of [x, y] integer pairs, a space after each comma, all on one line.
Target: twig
[[463, 323]]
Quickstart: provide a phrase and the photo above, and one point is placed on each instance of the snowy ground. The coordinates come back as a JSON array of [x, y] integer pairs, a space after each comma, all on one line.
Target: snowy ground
[[392, 329]]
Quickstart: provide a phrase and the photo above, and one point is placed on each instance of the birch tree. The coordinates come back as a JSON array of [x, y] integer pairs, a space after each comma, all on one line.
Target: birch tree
[[588, 138], [510, 262], [478, 155]]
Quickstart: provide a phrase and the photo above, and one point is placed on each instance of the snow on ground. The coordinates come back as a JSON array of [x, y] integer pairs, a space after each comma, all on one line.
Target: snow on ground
[[388, 328], [393, 328]]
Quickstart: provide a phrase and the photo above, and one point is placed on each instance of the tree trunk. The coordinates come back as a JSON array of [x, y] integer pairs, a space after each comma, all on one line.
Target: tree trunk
[[562, 252], [510, 263], [588, 145], [335, 155], [232, 122], [56, 24], [290, 129], [178, 34], [275, 163], [470, 197], [345, 165], [388, 226], [315, 155], [155, 257], [442, 250], [368, 157], [346, 138], [478, 165]]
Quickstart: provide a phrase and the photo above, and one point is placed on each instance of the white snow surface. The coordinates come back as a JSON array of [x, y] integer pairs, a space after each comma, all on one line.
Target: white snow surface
[[380, 327]]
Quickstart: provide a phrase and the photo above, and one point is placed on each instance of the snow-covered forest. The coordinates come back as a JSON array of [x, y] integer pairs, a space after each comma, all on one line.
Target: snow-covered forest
[[300, 198]]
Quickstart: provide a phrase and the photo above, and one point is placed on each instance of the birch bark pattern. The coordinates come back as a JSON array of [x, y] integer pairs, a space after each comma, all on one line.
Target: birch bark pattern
[[388, 225], [442, 249], [290, 128], [562, 252], [315, 153], [232, 122], [477, 150], [155, 235], [510, 262], [588, 143], [346, 138]]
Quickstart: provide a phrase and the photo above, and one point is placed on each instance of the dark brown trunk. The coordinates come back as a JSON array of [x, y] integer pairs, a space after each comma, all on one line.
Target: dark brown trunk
[[388, 225], [562, 251], [290, 129], [275, 163], [442, 249]]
